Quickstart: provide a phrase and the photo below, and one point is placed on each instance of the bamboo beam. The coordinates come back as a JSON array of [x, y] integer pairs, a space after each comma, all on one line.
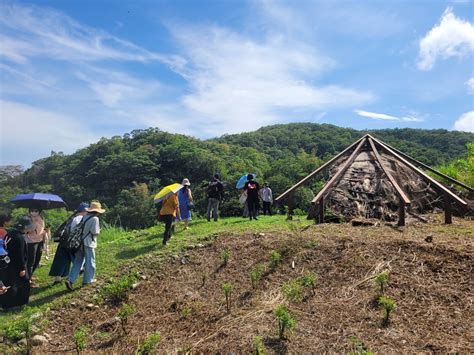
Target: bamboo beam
[[315, 172], [419, 163], [421, 173], [341, 171], [401, 194], [321, 211]]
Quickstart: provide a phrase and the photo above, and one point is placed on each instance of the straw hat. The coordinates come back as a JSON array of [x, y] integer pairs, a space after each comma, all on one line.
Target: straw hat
[[95, 207], [185, 182]]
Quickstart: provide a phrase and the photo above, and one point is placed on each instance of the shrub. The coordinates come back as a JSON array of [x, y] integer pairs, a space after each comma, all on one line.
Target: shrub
[[256, 274], [258, 346], [124, 313], [388, 306], [225, 255], [285, 320], [149, 344], [80, 338], [381, 280], [227, 287], [119, 290], [293, 290], [275, 259]]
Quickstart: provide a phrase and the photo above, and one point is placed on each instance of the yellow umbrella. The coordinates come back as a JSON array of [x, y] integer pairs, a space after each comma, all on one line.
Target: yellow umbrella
[[167, 191]]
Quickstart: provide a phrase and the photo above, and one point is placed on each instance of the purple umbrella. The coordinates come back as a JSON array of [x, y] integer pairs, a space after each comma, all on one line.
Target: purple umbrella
[[38, 200]]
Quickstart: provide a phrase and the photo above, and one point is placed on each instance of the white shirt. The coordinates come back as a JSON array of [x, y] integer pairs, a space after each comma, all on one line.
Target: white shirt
[[266, 194], [91, 231]]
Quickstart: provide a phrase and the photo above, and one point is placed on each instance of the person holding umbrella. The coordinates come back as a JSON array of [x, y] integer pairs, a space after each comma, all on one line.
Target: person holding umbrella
[[168, 213], [16, 283], [86, 254], [35, 239]]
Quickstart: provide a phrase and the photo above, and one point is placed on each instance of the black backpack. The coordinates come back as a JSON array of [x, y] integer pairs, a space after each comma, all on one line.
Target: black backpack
[[213, 189], [62, 232], [75, 239]]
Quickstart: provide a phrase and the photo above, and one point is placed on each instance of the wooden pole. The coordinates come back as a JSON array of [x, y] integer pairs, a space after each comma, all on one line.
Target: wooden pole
[[291, 205], [401, 213], [419, 163], [448, 211], [438, 185], [321, 211], [339, 173], [315, 172]]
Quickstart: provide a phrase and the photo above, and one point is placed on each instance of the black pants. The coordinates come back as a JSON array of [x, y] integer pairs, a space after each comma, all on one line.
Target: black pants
[[167, 219], [267, 206], [252, 206], [35, 251]]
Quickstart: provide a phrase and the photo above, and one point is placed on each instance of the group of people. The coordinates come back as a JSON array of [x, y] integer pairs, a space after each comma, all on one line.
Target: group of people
[[178, 206], [22, 244]]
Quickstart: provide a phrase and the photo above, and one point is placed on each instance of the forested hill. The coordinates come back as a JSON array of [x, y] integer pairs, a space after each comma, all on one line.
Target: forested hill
[[123, 171], [433, 147]]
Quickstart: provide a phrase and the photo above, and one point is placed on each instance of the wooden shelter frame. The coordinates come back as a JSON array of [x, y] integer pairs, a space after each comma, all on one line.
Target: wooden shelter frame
[[372, 143]]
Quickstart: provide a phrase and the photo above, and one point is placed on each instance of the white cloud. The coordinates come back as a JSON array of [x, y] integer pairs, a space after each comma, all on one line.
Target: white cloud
[[465, 122], [238, 84], [470, 85], [413, 117], [30, 31], [452, 37], [29, 133]]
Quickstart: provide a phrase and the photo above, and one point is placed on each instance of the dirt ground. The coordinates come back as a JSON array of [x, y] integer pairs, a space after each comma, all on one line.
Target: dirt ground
[[182, 298]]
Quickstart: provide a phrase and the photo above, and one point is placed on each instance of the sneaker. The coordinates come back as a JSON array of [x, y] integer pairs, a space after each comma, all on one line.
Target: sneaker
[[69, 285]]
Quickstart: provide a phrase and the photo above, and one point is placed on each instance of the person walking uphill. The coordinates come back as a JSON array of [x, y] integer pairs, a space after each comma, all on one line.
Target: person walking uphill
[[16, 280], [90, 227], [215, 192], [267, 198], [252, 187], [186, 203], [64, 257], [168, 212]]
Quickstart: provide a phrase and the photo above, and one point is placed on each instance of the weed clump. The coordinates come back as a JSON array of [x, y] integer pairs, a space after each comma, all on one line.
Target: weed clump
[[227, 287], [124, 313], [258, 346], [225, 256], [293, 291], [80, 338], [275, 259], [149, 344], [256, 274], [388, 306], [381, 280], [285, 320], [118, 291]]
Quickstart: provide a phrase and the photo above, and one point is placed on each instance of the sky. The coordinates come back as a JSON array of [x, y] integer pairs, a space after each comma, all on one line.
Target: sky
[[72, 72]]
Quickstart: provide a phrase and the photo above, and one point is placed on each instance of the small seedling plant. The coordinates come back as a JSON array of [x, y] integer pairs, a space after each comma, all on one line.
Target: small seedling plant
[[293, 291], [256, 275], [22, 327], [118, 291], [285, 320], [388, 306], [124, 313], [225, 256], [149, 344], [382, 280], [275, 259], [309, 281], [227, 287], [80, 338], [258, 346]]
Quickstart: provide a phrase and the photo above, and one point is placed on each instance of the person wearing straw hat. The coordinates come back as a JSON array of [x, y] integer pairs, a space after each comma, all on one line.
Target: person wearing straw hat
[[15, 279], [186, 203], [86, 254]]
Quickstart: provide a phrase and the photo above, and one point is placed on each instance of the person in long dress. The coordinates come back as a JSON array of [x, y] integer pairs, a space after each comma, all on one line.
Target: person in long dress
[[186, 203]]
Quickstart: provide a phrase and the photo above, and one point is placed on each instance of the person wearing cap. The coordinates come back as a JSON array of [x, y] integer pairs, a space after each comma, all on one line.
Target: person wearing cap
[[16, 280], [186, 203], [86, 254], [215, 192], [267, 198], [64, 257]]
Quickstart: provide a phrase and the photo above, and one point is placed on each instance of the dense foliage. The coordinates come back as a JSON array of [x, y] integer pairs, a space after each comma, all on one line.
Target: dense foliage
[[124, 172]]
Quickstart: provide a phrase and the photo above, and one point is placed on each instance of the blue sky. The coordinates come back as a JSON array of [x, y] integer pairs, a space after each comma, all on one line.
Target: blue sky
[[74, 71]]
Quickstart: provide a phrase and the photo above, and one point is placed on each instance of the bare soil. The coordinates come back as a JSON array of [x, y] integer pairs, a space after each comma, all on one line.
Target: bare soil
[[182, 297]]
